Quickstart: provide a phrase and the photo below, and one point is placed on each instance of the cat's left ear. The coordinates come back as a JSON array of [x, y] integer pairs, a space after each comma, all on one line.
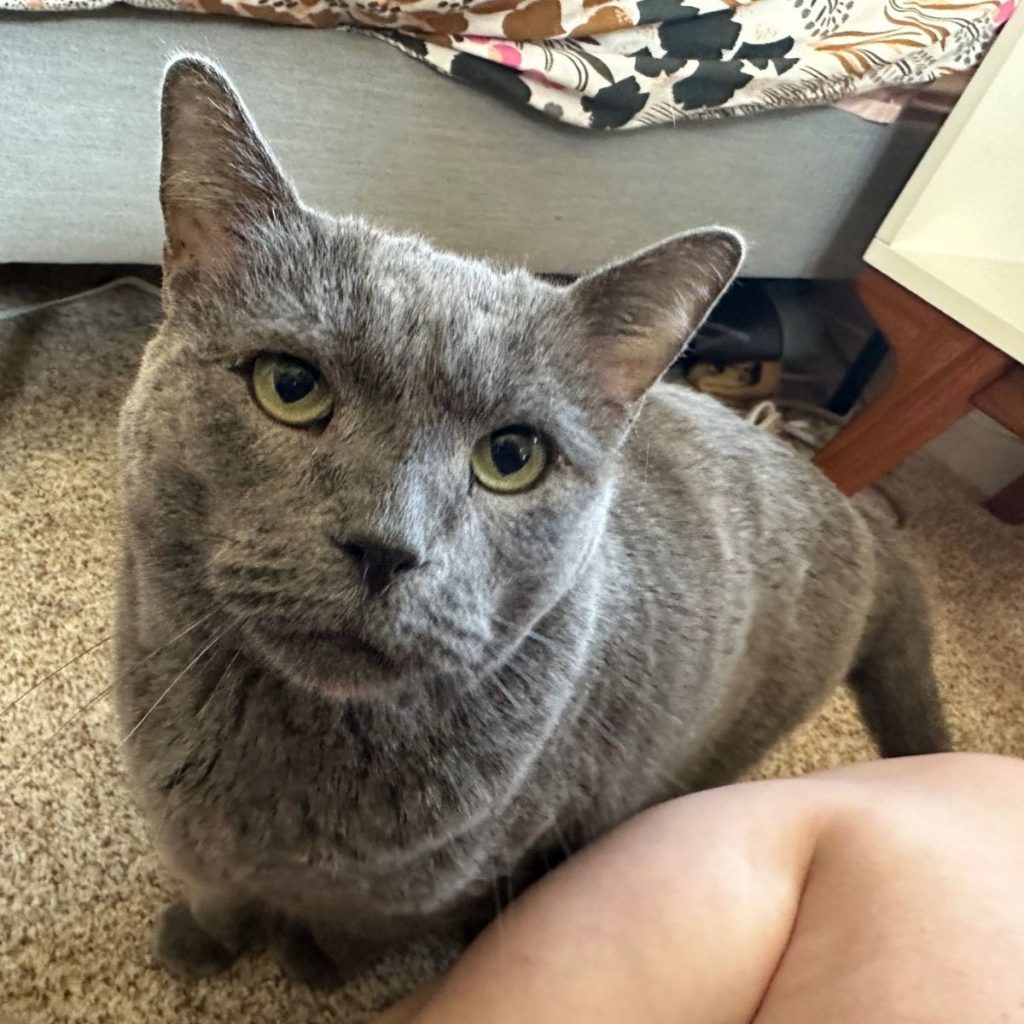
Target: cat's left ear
[[219, 181], [640, 313]]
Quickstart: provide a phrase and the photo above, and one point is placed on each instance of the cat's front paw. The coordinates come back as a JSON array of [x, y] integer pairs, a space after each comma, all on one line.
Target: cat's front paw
[[185, 949], [304, 961], [321, 966]]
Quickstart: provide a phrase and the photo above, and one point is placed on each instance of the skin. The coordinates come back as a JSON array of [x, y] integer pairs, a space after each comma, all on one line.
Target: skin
[[885, 891]]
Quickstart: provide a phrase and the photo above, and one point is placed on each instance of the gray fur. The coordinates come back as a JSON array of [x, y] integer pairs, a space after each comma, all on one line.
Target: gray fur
[[676, 593]]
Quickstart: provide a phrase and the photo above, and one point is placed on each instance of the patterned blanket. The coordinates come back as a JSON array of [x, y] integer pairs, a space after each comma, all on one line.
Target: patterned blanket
[[628, 63]]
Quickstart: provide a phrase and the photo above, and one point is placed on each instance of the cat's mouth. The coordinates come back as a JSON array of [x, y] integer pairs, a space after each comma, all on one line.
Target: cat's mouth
[[336, 659]]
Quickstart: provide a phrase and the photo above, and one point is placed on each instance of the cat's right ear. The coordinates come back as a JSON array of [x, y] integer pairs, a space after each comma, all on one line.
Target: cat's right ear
[[219, 182], [641, 312]]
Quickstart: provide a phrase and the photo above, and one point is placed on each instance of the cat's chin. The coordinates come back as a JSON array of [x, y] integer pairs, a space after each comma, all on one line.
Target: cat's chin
[[336, 664]]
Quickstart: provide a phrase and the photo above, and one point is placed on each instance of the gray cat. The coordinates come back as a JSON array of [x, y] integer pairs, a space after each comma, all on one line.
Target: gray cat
[[427, 581]]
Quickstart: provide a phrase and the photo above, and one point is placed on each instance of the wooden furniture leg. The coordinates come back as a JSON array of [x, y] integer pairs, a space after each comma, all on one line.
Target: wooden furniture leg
[[1008, 504], [1003, 400], [940, 367]]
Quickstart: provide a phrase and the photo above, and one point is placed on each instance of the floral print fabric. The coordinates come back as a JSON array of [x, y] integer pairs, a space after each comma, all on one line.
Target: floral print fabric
[[613, 64]]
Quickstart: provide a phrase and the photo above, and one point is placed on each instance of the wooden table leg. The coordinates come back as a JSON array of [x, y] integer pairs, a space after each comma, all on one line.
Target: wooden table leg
[[940, 366]]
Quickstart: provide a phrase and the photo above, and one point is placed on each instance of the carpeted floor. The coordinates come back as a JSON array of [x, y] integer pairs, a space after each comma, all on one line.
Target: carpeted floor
[[78, 883]]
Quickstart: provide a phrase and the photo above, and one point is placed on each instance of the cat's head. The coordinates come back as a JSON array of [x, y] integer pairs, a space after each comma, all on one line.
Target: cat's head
[[383, 462]]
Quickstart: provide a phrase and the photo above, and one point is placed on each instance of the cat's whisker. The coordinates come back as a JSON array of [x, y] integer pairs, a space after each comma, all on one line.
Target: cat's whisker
[[560, 836], [45, 745], [648, 764], [138, 725], [174, 639], [206, 700], [503, 690], [587, 715], [638, 697], [52, 675], [71, 719]]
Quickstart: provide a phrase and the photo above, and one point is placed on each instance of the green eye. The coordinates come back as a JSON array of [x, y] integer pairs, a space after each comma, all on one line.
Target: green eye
[[510, 459], [290, 390]]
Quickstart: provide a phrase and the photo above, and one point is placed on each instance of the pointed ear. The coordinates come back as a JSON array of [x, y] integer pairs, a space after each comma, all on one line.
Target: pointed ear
[[218, 178], [641, 312]]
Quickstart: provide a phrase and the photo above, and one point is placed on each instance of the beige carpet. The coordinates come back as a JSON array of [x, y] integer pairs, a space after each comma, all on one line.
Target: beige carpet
[[78, 883]]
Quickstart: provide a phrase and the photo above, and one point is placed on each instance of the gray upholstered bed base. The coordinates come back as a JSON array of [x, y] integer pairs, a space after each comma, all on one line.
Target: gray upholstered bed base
[[364, 128]]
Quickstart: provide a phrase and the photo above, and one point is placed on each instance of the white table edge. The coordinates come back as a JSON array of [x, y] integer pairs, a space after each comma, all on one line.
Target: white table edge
[[998, 331]]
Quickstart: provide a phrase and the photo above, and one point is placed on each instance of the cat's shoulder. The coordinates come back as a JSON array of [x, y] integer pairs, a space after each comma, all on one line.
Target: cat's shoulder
[[674, 411], [693, 435]]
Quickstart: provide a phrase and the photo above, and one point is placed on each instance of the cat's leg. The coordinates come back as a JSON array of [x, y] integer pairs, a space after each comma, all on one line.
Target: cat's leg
[[892, 678], [321, 957], [206, 934]]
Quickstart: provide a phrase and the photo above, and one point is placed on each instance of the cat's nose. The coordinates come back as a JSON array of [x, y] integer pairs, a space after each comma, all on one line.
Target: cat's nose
[[377, 562]]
